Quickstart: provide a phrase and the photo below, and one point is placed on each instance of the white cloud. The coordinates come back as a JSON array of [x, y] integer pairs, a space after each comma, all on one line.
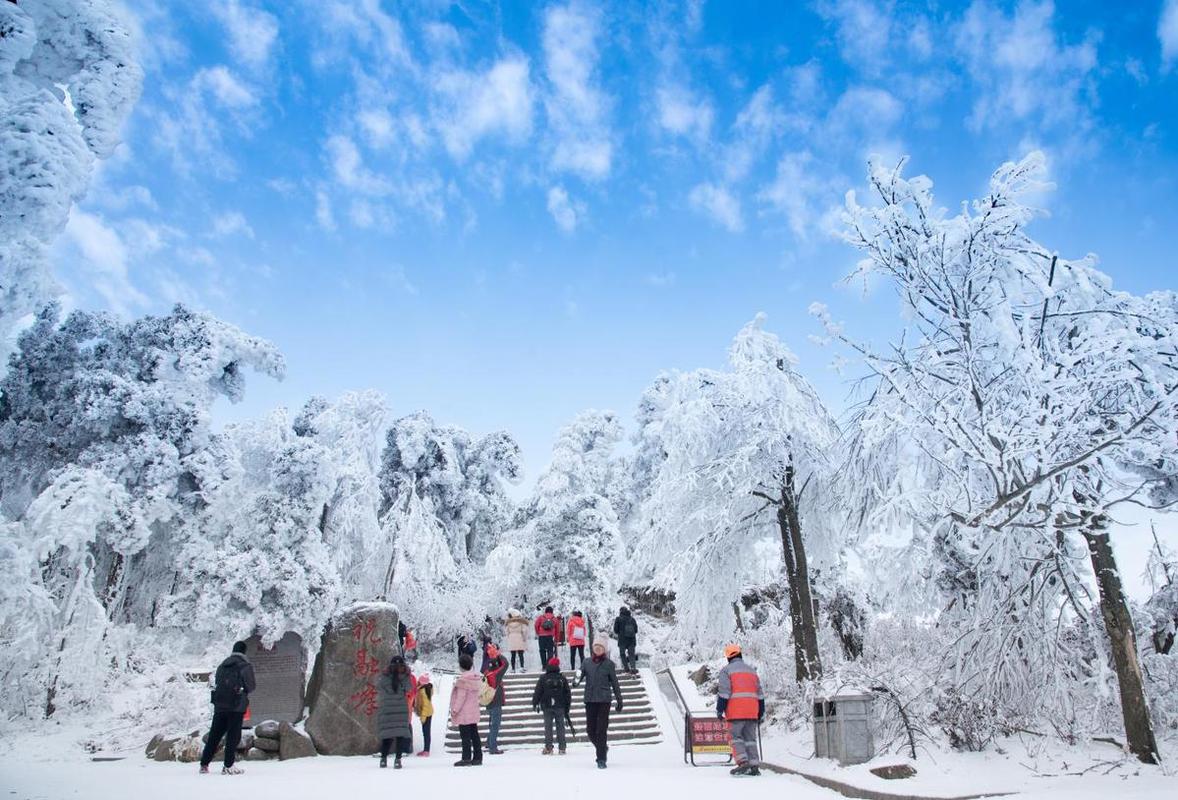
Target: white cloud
[[348, 168], [378, 126], [576, 105], [863, 30], [323, 212], [1022, 71], [718, 203], [1168, 32], [230, 223], [799, 194], [477, 104], [369, 27], [105, 254], [252, 32], [682, 114], [567, 213], [753, 130], [225, 88]]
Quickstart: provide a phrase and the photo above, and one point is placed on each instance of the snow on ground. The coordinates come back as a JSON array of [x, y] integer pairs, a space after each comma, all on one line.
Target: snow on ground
[[50, 764]]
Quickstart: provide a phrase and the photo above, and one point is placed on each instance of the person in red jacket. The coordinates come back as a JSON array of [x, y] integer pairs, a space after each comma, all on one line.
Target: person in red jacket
[[546, 628], [493, 672], [576, 633]]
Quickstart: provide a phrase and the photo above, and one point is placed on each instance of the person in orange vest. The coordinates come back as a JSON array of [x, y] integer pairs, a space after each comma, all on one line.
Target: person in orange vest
[[742, 703]]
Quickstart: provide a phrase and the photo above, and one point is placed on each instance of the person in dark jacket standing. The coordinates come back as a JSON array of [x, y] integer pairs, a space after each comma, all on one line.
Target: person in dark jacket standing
[[232, 684], [392, 716], [626, 631], [494, 671], [600, 679], [553, 698]]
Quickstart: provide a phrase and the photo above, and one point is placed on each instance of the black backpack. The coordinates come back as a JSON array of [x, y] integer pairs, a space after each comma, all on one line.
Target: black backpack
[[229, 685], [547, 625], [552, 693], [629, 627]]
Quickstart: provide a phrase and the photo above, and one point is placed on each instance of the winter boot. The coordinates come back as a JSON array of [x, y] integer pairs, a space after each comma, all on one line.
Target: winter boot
[[384, 761], [397, 762], [740, 769], [754, 771], [601, 764], [462, 763], [423, 754], [562, 751], [234, 770], [204, 769], [478, 762], [547, 751]]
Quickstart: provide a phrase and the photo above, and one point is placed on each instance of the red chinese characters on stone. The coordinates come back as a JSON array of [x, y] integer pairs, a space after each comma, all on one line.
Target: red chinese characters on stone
[[366, 664], [364, 631], [365, 700]]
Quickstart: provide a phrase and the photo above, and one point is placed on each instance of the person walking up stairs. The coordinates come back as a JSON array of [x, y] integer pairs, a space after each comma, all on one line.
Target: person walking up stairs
[[553, 698]]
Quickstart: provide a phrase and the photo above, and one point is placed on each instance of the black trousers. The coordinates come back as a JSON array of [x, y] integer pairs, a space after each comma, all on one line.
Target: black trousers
[[629, 658], [597, 726], [403, 746], [226, 724], [574, 651], [426, 724], [472, 745], [519, 653], [547, 650]]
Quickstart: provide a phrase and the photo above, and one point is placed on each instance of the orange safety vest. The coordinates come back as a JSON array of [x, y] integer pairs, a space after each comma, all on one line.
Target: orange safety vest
[[743, 704]]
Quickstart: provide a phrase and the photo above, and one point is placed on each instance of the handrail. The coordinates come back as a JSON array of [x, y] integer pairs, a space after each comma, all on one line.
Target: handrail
[[675, 685]]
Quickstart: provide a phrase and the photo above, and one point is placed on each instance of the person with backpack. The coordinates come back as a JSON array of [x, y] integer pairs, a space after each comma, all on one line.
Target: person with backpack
[[546, 625], [517, 637], [466, 646], [394, 699], [575, 633], [410, 647], [626, 630], [601, 679], [232, 684], [742, 703], [423, 706], [496, 668], [464, 712], [553, 698]]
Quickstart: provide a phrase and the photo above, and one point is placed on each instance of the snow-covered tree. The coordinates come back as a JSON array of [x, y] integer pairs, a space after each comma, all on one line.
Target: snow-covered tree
[[567, 548], [1038, 391], [105, 437], [460, 476], [68, 78], [730, 458]]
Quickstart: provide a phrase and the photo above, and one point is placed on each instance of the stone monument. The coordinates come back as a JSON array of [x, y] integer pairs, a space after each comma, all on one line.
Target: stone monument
[[281, 672], [342, 696]]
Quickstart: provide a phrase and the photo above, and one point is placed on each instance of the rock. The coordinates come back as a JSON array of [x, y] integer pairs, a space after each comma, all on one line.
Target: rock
[[165, 749], [342, 696], [269, 745], [281, 673], [292, 743], [247, 741], [267, 729], [189, 749], [894, 771], [254, 754], [701, 675], [149, 751]]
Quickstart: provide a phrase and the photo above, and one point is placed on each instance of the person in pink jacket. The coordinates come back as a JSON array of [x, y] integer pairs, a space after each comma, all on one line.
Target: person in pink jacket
[[464, 712]]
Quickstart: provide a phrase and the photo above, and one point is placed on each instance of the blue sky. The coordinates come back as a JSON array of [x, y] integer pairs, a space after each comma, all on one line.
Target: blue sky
[[506, 213]]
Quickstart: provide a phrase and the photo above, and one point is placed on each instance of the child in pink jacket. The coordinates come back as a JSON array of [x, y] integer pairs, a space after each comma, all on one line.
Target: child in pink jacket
[[464, 712]]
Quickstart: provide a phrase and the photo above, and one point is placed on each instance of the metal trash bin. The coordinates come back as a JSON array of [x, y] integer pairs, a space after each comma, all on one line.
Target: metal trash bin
[[842, 728]]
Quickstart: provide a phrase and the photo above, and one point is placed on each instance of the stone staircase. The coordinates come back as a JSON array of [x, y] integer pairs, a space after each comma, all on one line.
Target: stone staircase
[[523, 728]]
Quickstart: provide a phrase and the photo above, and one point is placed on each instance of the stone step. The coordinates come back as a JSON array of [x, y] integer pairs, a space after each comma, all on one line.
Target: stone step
[[580, 739], [526, 712], [615, 726], [538, 721]]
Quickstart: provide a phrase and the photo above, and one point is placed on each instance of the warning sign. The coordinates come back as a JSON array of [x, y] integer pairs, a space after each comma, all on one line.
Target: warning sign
[[706, 735]]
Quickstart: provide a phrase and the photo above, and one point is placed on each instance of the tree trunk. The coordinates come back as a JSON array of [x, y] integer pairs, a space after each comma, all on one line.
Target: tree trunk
[[803, 619], [1119, 625]]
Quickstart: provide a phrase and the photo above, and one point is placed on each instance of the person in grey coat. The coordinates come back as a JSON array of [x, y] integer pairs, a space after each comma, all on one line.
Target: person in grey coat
[[392, 716], [601, 681]]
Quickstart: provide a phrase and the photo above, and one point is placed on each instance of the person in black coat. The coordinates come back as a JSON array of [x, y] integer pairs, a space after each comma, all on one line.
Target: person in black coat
[[232, 684], [626, 631], [552, 697]]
